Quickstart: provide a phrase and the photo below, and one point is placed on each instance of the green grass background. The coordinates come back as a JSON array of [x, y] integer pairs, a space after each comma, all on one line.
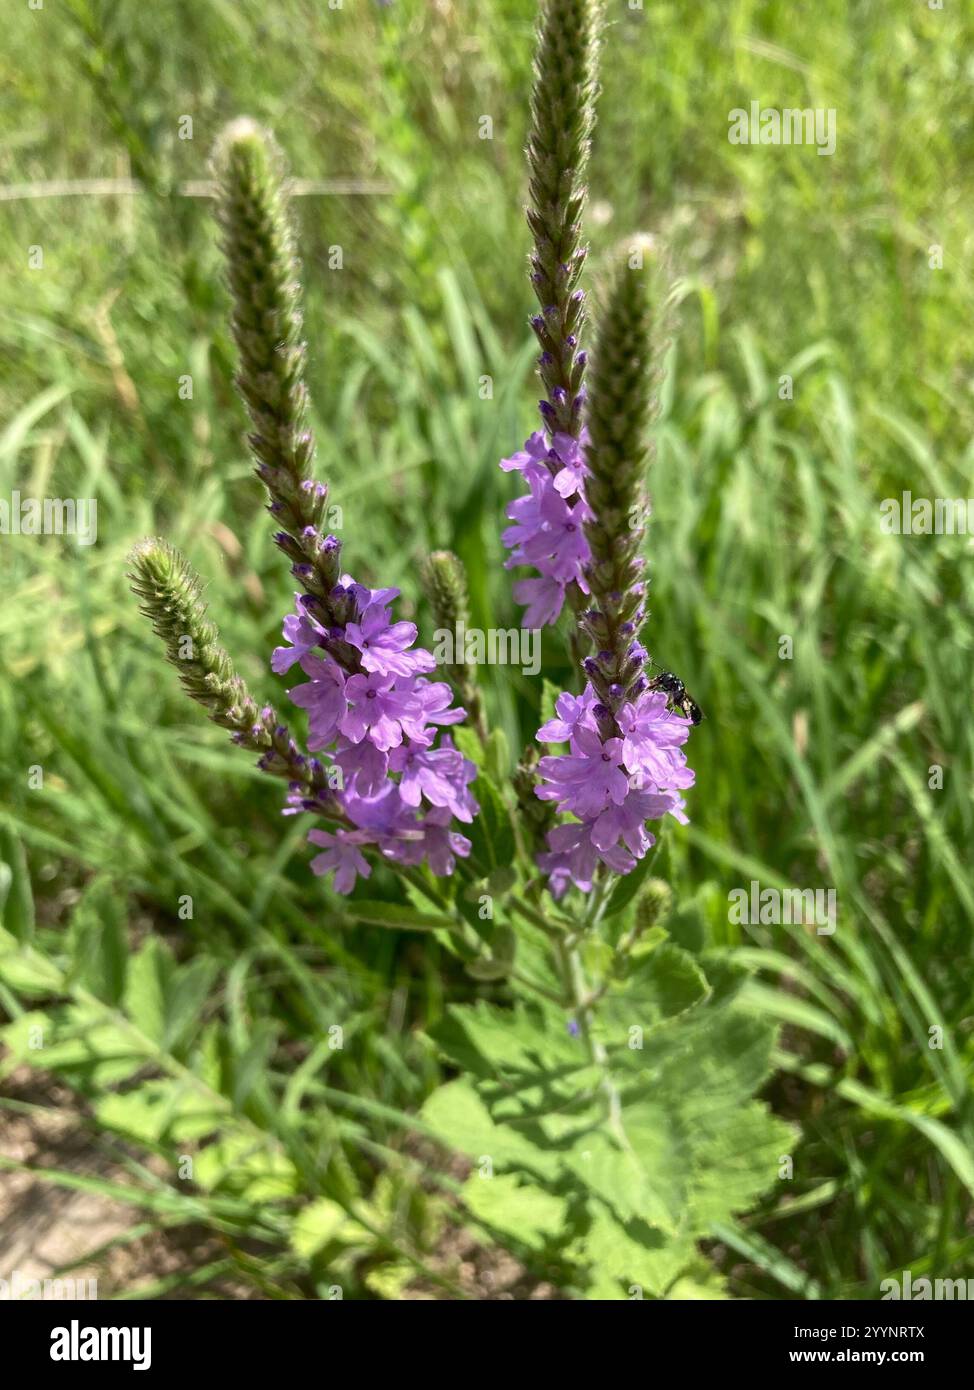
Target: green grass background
[[812, 771]]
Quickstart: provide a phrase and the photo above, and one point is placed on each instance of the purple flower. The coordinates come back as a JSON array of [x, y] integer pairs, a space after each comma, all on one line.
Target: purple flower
[[385, 646], [571, 476], [527, 514], [573, 856], [363, 766], [323, 697], [587, 779], [545, 599], [430, 703], [440, 774], [304, 634], [628, 821], [652, 736], [342, 856], [558, 546], [571, 710], [532, 456], [381, 815], [548, 533], [362, 597], [374, 708], [401, 805], [441, 844], [604, 783]]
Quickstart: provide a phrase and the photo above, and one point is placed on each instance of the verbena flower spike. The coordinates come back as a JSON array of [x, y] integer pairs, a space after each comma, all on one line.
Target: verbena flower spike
[[547, 532], [581, 522], [391, 786], [170, 599]]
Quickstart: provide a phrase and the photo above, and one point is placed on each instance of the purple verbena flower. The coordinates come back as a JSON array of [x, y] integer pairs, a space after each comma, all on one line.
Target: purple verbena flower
[[588, 778], [303, 633], [400, 791], [324, 697], [375, 709], [570, 711], [548, 522], [385, 646], [342, 856]]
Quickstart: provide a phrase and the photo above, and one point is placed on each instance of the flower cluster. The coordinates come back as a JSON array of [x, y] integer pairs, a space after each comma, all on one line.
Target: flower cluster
[[619, 774], [549, 521], [370, 705]]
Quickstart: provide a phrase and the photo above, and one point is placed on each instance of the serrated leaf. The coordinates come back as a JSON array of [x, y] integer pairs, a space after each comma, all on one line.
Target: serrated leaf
[[77, 1043], [26, 971], [462, 1121], [98, 942], [737, 1152], [146, 988], [323, 1222], [250, 1066], [389, 1280], [187, 994], [492, 1041], [662, 985], [528, 1213], [236, 1163], [641, 1175], [629, 1260], [158, 1110]]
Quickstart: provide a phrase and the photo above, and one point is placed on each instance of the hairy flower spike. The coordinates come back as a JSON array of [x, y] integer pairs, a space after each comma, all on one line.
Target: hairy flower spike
[[626, 370], [445, 584], [562, 117], [169, 591], [548, 534], [262, 274]]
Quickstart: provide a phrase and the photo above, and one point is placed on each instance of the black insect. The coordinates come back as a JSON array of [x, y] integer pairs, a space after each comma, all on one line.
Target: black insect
[[677, 695]]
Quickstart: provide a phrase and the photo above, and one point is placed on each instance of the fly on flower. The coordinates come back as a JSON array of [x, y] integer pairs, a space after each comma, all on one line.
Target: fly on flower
[[677, 695]]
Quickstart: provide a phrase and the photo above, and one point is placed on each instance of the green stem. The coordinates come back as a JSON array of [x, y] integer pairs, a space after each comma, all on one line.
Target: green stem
[[582, 1004]]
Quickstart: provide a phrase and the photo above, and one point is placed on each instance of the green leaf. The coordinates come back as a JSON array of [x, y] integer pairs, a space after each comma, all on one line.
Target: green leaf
[[626, 889], [159, 1110], [78, 1043], [396, 915], [462, 1121], [549, 696], [629, 1259], [16, 895], [146, 989], [492, 833], [644, 1175], [467, 740], [528, 1214], [491, 1041], [25, 970], [321, 1223], [497, 762], [737, 1152], [98, 941], [499, 964], [662, 985], [238, 1163]]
